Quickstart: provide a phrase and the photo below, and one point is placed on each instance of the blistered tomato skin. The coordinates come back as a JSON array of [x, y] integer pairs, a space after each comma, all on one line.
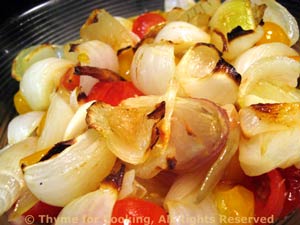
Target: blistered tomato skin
[[144, 22]]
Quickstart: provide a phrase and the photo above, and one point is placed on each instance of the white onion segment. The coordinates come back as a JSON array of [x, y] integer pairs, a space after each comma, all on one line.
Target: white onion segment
[[97, 54], [77, 124], [57, 119], [243, 61], [242, 43], [261, 118], [11, 177], [23, 126], [278, 71], [179, 32], [153, 68], [266, 151], [75, 171], [93, 208], [201, 73], [41, 79]]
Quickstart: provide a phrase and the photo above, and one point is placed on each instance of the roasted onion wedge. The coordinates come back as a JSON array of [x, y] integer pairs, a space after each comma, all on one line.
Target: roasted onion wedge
[[270, 137], [94, 207], [70, 169], [270, 80], [130, 132], [243, 61], [11, 177], [261, 118], [202, 73], [266, 151]]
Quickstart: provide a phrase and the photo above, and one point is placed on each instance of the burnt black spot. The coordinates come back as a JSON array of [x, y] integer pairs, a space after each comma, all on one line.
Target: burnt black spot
[[154, 136], [171, 163], [223, 66], [158, 112], [58, 148], [116, 179], [298, 83], [81, 97], [237, 32], [73, 47], [123, 49]]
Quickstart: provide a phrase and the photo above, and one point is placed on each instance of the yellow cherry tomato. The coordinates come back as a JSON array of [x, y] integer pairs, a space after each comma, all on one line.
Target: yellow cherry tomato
[[125, 59], [21, 104], [235, 205], [273, 33]]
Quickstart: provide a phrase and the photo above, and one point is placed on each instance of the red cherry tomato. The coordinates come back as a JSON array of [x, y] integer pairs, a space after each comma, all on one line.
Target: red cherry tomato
[[138, 212], [269, 190], [43, 213], [113, 92], [292, 180], [70, 81], [144, 22]]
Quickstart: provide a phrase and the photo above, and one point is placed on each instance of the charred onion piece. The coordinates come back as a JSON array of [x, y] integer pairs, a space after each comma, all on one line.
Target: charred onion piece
[[98, 73]]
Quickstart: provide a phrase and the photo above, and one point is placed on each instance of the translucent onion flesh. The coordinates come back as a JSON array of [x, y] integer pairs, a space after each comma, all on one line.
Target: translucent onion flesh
[[11, 177]]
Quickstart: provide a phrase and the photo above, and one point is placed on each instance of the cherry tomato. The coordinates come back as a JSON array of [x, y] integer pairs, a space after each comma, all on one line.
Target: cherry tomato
[[113, 92], [70, 81], [138, 212], [269, 191], [43, 213], [21, 104], [234, 202], [144, 22], [273, 33], [292, 180]]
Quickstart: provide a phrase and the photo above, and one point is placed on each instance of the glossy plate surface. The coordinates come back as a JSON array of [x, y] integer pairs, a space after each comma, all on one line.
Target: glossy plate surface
[[57, 22]]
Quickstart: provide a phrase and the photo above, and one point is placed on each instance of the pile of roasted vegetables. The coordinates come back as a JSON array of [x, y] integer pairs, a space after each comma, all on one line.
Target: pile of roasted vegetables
[[183, 116]]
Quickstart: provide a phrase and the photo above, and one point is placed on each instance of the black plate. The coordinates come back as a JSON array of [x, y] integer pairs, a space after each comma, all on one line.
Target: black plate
[[59, 21]]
